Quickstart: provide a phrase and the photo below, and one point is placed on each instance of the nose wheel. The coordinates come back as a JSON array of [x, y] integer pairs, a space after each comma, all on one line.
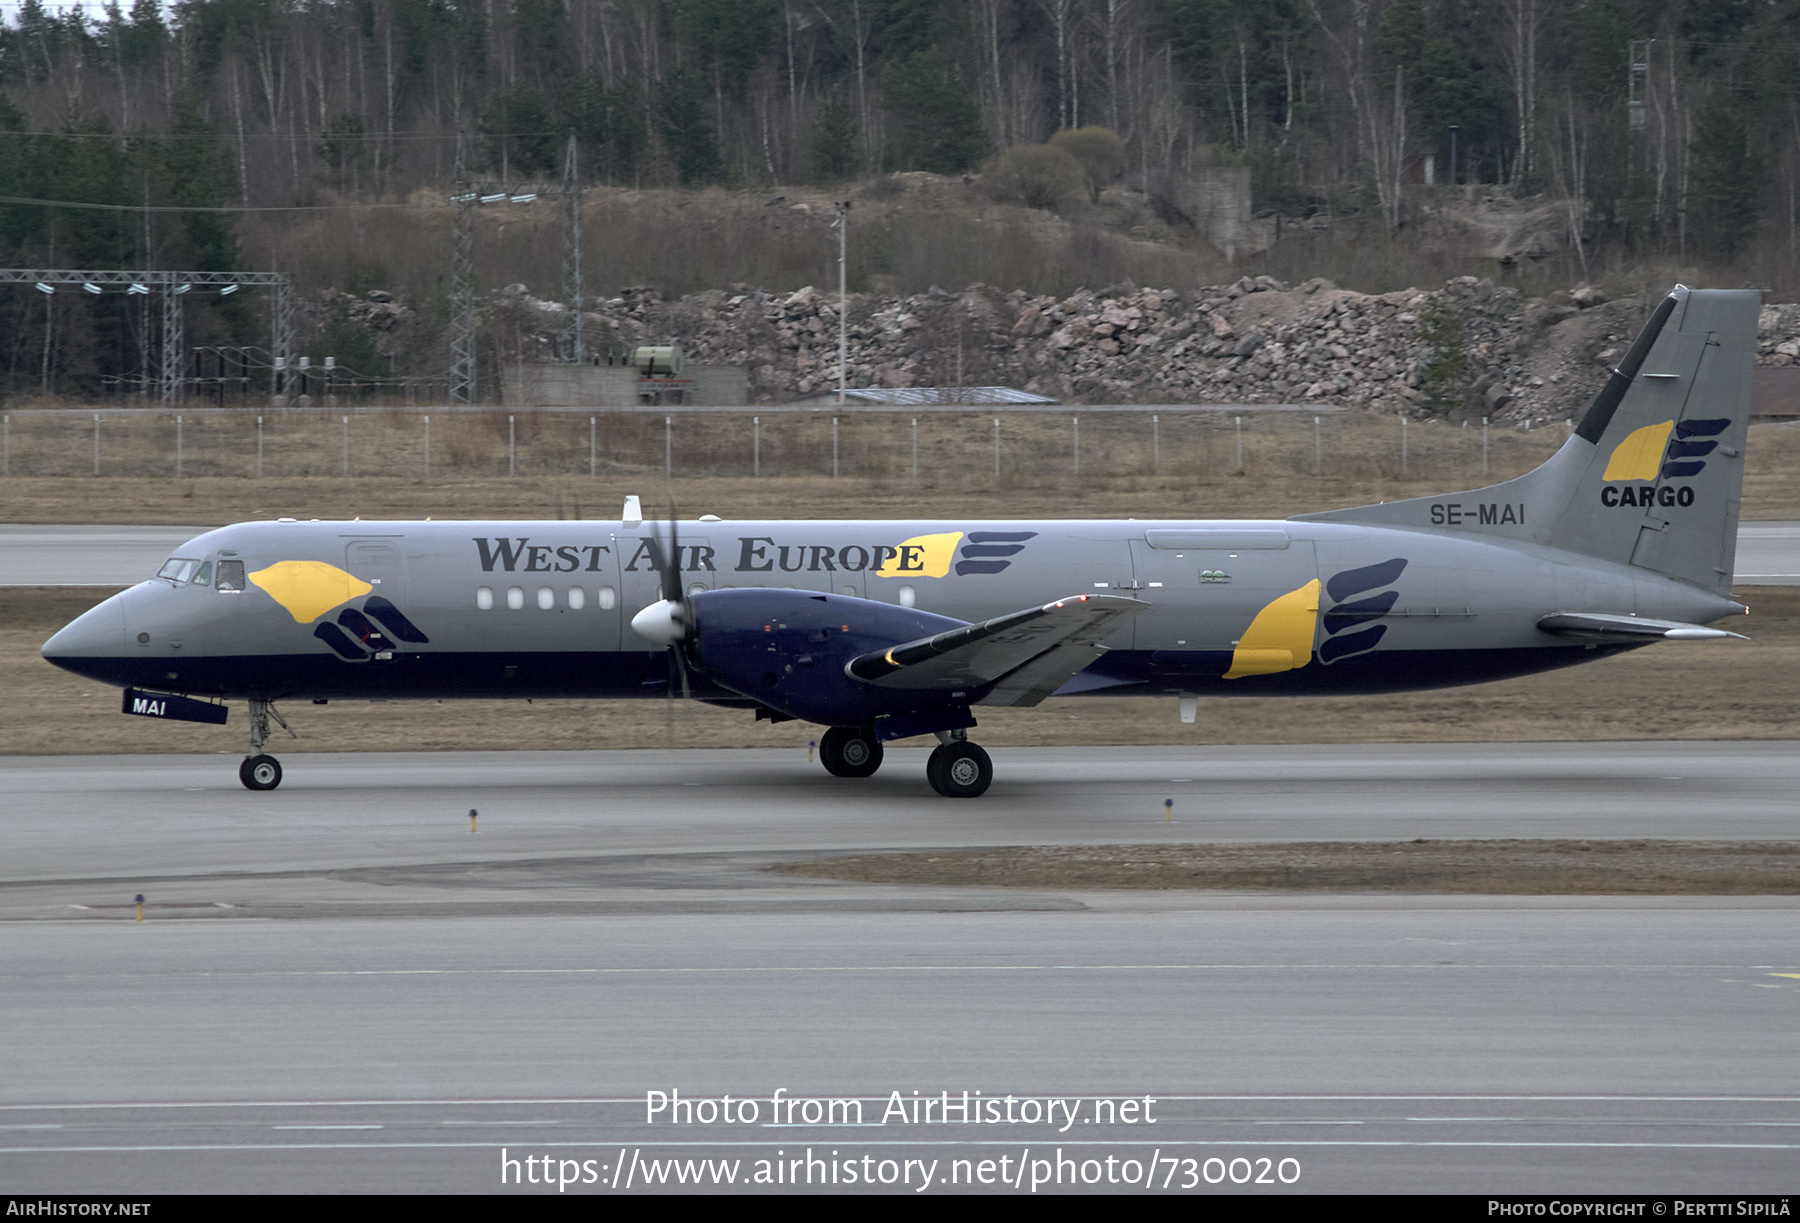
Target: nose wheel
[[260, 772], [959, 769]]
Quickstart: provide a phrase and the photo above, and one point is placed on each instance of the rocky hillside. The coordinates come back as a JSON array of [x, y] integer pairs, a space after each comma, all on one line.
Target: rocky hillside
[[1468, 349]]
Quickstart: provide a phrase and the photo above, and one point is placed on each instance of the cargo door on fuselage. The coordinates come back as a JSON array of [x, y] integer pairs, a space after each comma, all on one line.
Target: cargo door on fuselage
[[599, 598], [381, 562], [1208, 586], [380, 622]]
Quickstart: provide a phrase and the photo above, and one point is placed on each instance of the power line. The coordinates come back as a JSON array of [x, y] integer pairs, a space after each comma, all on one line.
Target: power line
[[14, 199], [321, 134]]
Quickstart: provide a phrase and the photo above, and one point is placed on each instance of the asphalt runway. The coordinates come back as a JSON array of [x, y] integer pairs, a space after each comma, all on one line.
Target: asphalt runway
[[339, 987], [133, 817], [86, 556], [1768, 554]]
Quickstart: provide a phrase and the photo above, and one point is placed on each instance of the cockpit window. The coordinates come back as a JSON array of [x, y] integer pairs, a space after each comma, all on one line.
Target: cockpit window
[[203, 576], [230, 576], [177, 569]]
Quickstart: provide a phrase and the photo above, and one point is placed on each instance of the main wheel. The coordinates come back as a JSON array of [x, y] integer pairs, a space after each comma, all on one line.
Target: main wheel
[[260, 773], [959, 769], [850, 751]]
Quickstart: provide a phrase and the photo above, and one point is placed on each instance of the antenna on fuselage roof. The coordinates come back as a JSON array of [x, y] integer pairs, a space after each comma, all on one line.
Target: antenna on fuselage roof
[[633, 514]]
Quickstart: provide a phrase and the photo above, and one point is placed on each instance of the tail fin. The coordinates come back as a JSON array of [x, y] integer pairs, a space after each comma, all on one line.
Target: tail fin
[[1653, 474]]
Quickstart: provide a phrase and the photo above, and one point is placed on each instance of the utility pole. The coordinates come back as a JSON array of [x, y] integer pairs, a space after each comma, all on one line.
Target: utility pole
[[842, 226], [1637, 79], [574, 350], [465, 195], [462, 282]]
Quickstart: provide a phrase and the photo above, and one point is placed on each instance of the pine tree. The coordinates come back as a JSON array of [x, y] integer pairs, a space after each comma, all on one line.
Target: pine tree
[[940, 127], [1725, 185]]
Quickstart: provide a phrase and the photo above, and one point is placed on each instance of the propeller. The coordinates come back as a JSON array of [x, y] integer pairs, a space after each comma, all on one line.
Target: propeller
[[669, 621]]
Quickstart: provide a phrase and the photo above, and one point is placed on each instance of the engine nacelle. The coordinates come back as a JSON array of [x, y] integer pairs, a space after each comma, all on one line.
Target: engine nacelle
[[787, 649]]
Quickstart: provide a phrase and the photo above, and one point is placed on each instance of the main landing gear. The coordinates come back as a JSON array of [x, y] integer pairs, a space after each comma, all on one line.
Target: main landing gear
[[261, 771], [850, 751], [956, 769]]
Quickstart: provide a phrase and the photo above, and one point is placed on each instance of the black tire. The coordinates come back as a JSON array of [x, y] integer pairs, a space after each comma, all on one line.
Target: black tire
[[850, 751], [959, 770], [260, 773]]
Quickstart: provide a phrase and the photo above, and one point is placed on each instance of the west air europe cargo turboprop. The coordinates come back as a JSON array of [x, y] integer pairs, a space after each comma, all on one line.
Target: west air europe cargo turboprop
[[889, 630]]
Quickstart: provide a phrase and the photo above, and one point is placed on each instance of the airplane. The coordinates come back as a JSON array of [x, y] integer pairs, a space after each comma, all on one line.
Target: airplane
[[887, 630]]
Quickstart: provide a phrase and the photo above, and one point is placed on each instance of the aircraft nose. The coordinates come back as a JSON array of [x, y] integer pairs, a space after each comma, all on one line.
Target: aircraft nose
[[96, 634]]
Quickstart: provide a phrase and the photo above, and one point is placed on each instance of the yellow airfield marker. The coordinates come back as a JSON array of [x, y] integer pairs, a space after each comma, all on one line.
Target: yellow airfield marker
[[140, 906], [1168, 811], [810, 744], [471, 819]]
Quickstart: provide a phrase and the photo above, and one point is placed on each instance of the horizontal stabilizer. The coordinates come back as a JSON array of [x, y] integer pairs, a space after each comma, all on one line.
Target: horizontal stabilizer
[[1599, 626], [1025, 655]]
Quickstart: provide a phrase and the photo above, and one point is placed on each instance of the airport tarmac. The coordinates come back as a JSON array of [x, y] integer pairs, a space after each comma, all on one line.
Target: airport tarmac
[[1768, 553], [339, 987], [33, 555]]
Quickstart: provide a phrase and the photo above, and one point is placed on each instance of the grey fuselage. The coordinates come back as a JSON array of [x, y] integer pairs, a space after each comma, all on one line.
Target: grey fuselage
[[543, 609]]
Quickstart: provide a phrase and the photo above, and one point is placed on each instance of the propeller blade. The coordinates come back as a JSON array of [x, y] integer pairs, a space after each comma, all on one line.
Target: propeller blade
[[670, 621], [669, 562]]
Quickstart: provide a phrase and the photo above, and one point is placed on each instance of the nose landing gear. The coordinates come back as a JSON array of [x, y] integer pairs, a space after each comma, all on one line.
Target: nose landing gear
[[261, 771]]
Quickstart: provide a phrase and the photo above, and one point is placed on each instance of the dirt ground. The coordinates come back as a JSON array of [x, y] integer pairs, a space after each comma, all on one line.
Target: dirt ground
[[1520, 868], [1182, 465]]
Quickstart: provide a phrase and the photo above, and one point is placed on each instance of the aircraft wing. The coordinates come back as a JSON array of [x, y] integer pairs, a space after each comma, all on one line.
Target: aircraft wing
[[1026, 655], [1599, 626]]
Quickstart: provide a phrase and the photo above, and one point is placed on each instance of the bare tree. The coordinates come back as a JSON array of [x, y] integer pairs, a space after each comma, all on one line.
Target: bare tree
[[990, 13], [1522, 28], [1063, 17], [1381, 130]]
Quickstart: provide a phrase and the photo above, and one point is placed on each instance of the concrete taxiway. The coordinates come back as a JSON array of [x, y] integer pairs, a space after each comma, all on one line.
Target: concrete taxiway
[[338, 986], [1768, 554]]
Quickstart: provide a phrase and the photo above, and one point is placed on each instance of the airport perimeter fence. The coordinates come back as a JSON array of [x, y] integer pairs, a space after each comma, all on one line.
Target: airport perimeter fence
[[973, 447]]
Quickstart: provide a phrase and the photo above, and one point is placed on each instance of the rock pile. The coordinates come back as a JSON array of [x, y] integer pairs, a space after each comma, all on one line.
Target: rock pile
[[376, 311], [1255, 341], [1468, 349], [1778, 338]]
